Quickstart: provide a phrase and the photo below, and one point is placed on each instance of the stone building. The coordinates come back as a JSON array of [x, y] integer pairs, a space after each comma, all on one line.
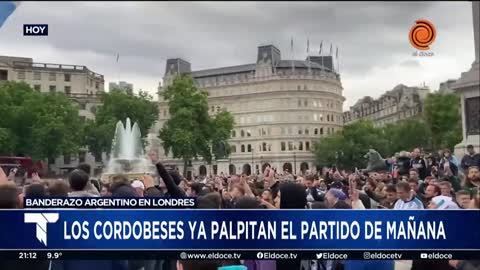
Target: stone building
[[280, 108], [446, 87], [121, 85], [402, 102], [468, 87], [78, 82]]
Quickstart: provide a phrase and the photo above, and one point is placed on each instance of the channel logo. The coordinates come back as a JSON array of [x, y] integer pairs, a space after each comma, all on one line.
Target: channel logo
[[422, 34], [35, 29], [41, 219]]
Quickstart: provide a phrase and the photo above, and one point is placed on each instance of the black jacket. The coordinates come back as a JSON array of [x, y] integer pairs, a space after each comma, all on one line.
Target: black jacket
[[172, 189], [468, 161], [403, 165], [316, 196], [420, 165]]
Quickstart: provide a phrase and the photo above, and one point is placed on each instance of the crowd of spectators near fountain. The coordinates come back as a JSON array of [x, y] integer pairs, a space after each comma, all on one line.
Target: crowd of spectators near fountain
[[412, 181]]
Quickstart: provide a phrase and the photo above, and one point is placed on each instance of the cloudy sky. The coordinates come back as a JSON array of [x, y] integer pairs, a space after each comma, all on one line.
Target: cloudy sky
[[374, 51]]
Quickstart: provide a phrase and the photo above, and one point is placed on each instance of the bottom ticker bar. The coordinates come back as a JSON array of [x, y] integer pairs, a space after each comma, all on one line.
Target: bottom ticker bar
[[240, 255]]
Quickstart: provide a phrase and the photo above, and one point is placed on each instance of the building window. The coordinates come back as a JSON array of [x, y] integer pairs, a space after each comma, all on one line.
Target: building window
[[242, 133], [321, 131], [315, 131], [213, 108], [21, 75], [300, 146], [305, 103], [249, 133], [37, 87], [290, 146], [283, 146], [299, 103], [233, 148], [52, 76], [249, 148], [305, 87], [66, 159], [328, 117], [290, 131], [264, 146], [299, 87], [269, 131], [218, 108], [37, 75], [53, 88], [68, 90], [282, 131], [67, 77], [96, 85], [243, 148], [269, 147], [307, 131], [300, 131], [234, 134], [307, 146]]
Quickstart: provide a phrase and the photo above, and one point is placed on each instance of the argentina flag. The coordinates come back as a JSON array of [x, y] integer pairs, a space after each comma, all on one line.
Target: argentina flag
[[6, 9]]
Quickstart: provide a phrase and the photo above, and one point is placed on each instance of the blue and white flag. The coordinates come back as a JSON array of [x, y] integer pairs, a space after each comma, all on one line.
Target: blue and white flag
[[6, 9]]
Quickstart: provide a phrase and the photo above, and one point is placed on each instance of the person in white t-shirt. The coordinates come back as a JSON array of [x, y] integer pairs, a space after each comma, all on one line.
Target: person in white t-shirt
[[406, 198]]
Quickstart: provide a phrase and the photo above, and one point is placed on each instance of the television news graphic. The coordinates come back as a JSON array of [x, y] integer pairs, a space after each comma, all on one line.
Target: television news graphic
[[41, 219], [109, 202], [240, 254], [35, 29], [282, 234]]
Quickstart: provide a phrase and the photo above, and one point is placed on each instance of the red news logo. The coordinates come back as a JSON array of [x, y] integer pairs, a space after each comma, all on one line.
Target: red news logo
[[35, 29]]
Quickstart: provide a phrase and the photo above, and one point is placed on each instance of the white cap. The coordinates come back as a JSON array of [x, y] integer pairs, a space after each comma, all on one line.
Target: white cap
[[138, 184]]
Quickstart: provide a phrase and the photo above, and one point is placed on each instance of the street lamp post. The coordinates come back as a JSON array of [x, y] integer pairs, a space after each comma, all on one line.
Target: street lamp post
[[253, 165], [295, 159]]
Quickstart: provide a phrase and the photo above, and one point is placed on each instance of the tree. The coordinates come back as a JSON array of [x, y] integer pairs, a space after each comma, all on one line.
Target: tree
[[36, 124], [442, 116], [223, 125], [347, 148], [118, 106], [406, 135], [190, 132]]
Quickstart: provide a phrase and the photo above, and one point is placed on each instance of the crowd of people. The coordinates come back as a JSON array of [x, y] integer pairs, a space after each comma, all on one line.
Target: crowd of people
[[411, 181]]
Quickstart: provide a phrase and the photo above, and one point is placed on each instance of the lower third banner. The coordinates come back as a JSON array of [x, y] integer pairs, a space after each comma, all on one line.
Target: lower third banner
[[239, 229]]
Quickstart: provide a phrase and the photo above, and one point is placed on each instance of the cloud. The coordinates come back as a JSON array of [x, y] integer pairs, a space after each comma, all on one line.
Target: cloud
[[372, 37]]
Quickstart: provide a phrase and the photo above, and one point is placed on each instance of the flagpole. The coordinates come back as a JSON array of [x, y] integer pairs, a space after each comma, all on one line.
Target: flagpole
[[338, 63], [118, 70], [308, 55], [321, 45], [293, 56]]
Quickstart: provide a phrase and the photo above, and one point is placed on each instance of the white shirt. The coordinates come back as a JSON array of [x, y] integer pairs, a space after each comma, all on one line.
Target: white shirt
[[412, 204]]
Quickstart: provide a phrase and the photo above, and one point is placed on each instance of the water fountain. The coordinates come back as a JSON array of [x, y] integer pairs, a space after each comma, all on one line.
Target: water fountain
[[127, 155]]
